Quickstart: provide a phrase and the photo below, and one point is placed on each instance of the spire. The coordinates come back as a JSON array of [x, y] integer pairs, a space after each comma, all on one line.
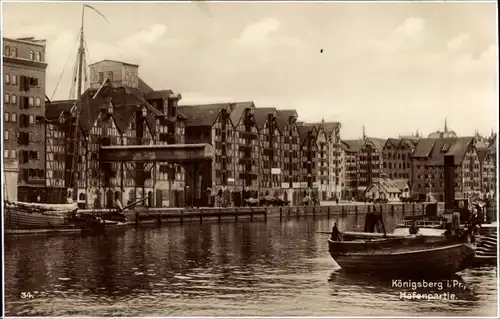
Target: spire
[[445, 125], [364, 134]]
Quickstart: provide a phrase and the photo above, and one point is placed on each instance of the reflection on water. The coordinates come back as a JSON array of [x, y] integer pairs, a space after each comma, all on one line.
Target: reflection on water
[[227, 269]]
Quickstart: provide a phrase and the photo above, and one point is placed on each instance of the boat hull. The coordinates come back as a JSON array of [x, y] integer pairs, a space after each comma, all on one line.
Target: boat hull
[[19, 219], [446, 259]]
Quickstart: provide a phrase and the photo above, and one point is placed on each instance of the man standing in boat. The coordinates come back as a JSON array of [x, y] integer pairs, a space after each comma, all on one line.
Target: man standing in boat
[[335, 233]]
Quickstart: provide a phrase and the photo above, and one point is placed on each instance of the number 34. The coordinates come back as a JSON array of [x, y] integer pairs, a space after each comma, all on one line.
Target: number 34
[[26, 295]]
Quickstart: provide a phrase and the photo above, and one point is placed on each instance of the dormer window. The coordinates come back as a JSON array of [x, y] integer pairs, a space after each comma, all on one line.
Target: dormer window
[[144, 112], [110, 108], [445, 148]]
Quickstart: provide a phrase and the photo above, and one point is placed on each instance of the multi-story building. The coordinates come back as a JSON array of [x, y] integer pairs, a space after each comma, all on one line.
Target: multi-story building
[[351, 150], [334, 187], [397, 155], [113, 113], [269, 160], [428, 167], [211, 124], [24, 116], [322, 162], [246, 149], [370, 159], [290, 150], [487, 174], [309, 150]]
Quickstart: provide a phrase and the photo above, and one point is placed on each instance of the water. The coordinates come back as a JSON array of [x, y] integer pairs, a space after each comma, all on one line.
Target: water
[[228, 269]]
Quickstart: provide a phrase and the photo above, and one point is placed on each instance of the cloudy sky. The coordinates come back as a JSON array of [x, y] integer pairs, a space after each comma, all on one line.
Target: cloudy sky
[[393, 67]]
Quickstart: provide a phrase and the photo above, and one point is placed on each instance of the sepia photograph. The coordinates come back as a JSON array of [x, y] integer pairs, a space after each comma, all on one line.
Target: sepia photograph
[[249, 159]]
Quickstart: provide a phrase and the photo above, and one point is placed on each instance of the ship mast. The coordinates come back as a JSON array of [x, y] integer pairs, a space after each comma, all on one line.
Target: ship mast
[[78, 108]]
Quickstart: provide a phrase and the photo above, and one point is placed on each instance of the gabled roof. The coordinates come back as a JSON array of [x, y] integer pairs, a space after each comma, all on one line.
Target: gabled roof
[[378, 143], [424, 147], [202, 115], [282, 117], [54, 109], [304, 131], [410, 142], [329, 127], [482, 153], [388, 184], [236, 110], [449, 146], [261, 116], [160, 94], [144, 87], [353, 146], [401, 183], [393, 142], [123, 114]]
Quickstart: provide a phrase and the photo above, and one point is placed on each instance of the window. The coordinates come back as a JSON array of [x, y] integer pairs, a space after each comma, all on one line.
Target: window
[[6, 116], [6, 98], [38, 102], [14, 52], [32, 55], [14, 79], [31, 101], [32, 119], [101, 77], [13, 99], [6, 135], [38, 56], [7, 51], [110, 76], [7, 78], [5, 153], [13, 117], [445, 148]]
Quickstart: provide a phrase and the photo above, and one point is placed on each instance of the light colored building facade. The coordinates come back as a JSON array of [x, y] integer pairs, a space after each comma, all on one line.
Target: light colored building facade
[[24, 70]]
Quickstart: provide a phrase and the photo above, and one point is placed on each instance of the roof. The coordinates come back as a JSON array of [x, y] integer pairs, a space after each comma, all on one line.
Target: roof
[[236, 110], [378, 143], [424, 147], [261, 116], [282, 117], [328, 126], [116, 61], [304, 131], [456, 147], [410, 142], [202, 115], [123, 114], [144, 87], [393, 142], [353, 145], [54, 109], [482, 153], [160, 94], [401, 183], [388, 184]]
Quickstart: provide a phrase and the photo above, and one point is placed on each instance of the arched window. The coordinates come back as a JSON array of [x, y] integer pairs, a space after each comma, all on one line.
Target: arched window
[[82, 196], [38, 102], [13, 52], [38, 56], [32, 55], [6, 52]]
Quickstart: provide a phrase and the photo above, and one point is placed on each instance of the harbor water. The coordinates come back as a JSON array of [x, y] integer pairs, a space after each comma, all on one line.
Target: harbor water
[[210, 269]]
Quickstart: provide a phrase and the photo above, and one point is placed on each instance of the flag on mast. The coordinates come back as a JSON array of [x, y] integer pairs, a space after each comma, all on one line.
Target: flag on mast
[[97, 11]]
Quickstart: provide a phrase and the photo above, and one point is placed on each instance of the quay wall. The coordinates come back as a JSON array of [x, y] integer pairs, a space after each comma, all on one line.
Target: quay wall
[[348, 217]]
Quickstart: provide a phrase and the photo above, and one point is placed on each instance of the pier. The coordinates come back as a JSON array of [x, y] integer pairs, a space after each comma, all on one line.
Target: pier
[[351, 216]]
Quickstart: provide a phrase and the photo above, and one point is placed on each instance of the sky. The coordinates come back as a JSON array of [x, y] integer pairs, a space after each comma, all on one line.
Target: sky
[[394, 68]]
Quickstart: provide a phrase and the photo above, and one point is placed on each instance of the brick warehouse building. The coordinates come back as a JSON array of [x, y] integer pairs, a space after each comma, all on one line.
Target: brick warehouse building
[[118, 109], [24, 116]]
